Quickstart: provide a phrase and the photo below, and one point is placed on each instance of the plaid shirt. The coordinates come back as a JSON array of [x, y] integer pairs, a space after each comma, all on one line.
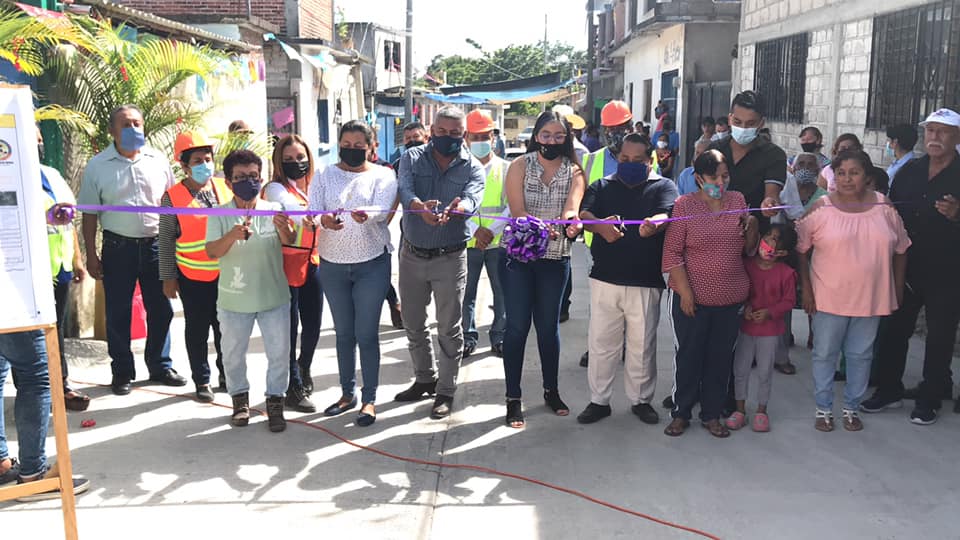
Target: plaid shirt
[[546, 201]]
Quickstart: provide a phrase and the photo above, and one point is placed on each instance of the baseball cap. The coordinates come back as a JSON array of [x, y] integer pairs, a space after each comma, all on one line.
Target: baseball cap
[[943, 116]]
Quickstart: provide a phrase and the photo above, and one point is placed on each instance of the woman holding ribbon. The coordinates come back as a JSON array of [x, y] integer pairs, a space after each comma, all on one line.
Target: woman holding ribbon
[[703, 253], [293, 169], [354, 198], [546, 184]]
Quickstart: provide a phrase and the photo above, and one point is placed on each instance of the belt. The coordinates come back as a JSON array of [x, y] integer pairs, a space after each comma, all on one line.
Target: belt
[[122, 238], [435, 252]]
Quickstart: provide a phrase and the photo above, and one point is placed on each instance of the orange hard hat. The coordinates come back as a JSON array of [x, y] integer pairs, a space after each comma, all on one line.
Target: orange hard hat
[[479, 121], [188, 140], [615, 113]]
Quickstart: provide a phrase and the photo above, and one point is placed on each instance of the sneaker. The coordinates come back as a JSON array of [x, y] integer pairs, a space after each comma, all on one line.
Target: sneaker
[[851, 420], [12, 474], [297, 400], [823, 421], [204, 393], [923, 416], [241, 410], [593, 413], [877, 403], [80, 485], [275, 420], [417, 391], [468, 349], [645, 413]]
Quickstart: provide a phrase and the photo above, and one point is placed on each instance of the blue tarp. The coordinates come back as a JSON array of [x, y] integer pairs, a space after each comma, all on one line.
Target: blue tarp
[[544, 92]]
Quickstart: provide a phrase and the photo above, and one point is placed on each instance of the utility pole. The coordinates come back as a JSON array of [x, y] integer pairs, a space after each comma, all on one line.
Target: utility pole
[[591, 60], [545, 64], [408, 86]]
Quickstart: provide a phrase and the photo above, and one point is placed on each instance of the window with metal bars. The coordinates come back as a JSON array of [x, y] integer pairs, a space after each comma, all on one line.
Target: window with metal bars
[[915, 68], [780, 76]]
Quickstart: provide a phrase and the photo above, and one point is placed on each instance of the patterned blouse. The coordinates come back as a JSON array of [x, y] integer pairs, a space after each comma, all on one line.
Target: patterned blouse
[[546, 201]]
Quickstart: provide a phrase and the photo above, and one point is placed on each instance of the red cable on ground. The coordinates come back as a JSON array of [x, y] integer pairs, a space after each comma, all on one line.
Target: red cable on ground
[[475, 468]]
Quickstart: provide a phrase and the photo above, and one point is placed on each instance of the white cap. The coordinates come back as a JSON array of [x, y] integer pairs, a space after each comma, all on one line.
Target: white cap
[[946, 117], [562, 110]]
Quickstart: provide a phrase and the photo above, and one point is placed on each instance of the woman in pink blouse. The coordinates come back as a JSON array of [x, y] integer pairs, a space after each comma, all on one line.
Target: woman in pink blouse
[[852, 264], [703, 253]]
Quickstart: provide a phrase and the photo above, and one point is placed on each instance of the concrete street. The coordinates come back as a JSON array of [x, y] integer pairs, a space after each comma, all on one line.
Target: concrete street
[[168, 467]]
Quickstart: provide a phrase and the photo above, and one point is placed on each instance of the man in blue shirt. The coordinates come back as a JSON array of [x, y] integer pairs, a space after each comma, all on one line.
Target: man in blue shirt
[[439, 182], [900, 142], [685, 181]]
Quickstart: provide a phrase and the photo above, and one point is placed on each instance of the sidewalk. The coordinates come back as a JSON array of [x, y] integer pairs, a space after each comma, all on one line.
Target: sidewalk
[[166, 467]]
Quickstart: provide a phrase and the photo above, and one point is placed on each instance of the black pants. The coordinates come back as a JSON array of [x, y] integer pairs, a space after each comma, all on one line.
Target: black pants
[[704, 357], [306, 308], [199, 300], [942, 308], [60, 291]]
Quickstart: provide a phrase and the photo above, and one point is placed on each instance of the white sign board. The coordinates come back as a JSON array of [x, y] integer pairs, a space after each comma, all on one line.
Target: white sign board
[[26, 284]]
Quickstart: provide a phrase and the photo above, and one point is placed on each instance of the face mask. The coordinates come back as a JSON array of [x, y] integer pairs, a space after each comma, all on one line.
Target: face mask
[[480, 149], [767, 252], [889, 150], [712, 190], [805, 176], [132, 139], [809, 147], [353, 157], [551, 151], [413, 144], [447, 145], [633, 173], [615, 141], [743, 136], [295, 170], [201, 172], [662, 144], [246, 190]]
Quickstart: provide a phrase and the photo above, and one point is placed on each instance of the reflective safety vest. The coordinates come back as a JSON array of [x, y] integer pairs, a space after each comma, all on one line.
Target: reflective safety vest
[[593, 168], [191, 245], [304, 234], [60, 242], [494, 202]]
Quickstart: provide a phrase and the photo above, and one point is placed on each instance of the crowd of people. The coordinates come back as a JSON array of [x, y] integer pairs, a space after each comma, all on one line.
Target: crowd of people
[[743, 235]]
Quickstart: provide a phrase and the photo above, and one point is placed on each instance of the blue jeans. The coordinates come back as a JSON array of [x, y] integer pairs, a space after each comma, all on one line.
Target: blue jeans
[[125, 262], [854, 337], [235, 331], [306, 308], [476, 260], [355, 293], [26, 354], [533, 291]]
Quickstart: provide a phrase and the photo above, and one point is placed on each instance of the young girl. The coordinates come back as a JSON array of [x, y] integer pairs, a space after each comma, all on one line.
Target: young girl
[[773, 292], [665, 156]]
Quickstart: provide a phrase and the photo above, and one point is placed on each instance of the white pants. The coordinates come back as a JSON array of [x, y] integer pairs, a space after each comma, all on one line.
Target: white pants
[[621, 314]]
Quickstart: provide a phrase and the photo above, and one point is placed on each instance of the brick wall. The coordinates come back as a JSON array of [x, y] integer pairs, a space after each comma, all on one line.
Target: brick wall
[[316, 19], [316, 16]]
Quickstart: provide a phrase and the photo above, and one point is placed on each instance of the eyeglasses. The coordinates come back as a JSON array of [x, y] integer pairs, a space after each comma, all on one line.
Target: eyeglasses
[[246, 178], [556, 138]]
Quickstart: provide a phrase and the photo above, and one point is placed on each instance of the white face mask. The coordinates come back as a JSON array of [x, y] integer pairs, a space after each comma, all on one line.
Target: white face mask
[[662, 144], [743, 136]]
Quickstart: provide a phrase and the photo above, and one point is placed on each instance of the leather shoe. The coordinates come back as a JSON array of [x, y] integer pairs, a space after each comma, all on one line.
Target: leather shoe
[[468, 349], [667, 402], [593, 413], [442, 407], [417, 391], [120, 387], [340, 407], [169, 377], [645, 413]]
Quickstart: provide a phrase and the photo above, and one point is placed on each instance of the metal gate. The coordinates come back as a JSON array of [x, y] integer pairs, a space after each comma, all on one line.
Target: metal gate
[[703, 99]]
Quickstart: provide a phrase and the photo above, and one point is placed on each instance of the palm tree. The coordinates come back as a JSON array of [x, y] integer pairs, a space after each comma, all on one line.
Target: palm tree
[[24, 37], [94, 80]]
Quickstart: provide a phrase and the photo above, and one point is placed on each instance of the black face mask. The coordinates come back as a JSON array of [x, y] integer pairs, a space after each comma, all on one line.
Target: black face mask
[[413, 144], [295, 170], [809, 146], [447, 145], [353, 157], [551, 151]]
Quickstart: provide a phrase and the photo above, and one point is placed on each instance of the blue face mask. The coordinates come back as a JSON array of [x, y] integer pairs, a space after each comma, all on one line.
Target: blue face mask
[[889, 150], [712, 190], [633, 173], [246, 189], [805, 176], [201, 172], [132, 139], [743, 136], [480, 149]]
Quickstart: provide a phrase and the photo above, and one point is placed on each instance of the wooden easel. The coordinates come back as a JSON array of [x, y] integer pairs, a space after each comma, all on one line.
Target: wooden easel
[[60, 475]]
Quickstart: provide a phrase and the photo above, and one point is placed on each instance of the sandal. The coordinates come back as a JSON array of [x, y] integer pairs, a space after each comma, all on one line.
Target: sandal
[[552, 399], [786, 368], [75, 401], [515, 413], [676, 427], [761, 422], [716, 428], [824, 421], [737, 420], [851, 420]]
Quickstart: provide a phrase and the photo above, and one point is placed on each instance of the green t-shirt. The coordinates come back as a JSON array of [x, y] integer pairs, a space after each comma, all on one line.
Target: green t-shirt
[[251, 273]]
